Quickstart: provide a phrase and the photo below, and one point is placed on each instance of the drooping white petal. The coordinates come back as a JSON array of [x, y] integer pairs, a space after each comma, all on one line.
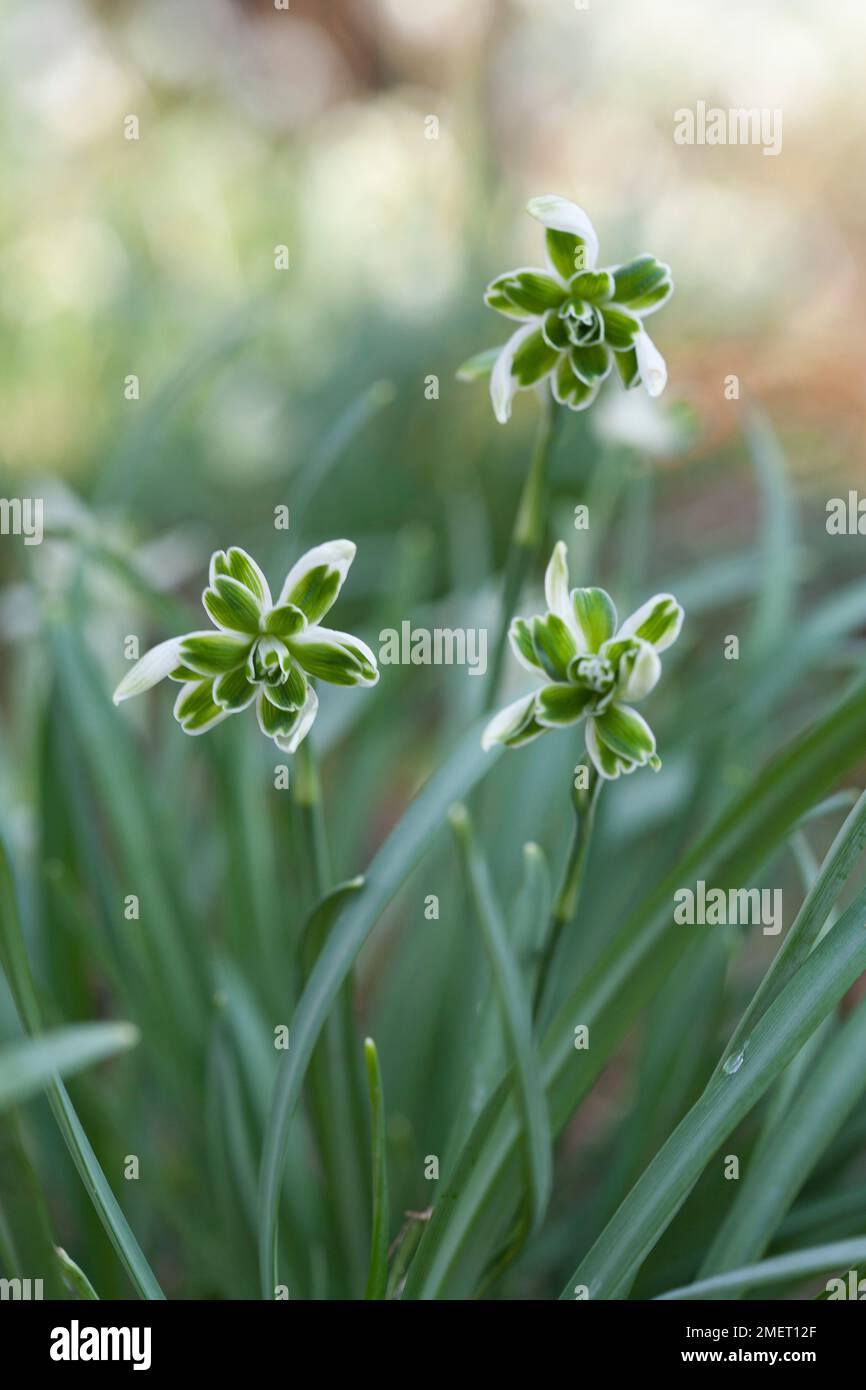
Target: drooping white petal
[[507, 721], [564, 216], [502, 383], [653, 372], [607, 763], [153, 667]]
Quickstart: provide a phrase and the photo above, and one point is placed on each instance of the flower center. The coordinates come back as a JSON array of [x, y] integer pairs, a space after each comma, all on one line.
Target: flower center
[[596, 673]]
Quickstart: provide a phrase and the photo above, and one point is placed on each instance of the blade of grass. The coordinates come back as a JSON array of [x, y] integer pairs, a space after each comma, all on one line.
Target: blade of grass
[[835, 870], [377, 1279], [27, 1067], [517, 1019], [390, 866], [781, 1269], [817, 1112], [794, 1015], [455, 1248], [17, 968]]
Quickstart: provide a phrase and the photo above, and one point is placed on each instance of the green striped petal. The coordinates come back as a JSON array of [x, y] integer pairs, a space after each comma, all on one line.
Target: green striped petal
[[520, 637], [569, 390], [289, 693], [554, 331], [195, 709], [239, 565], [626, 733], [554, 645], [595, 614], [643, 285], [533, 360], [593, 285], [285, 620], [560, 704], [315, 581], [626, 365], [334, 656], [513, 726], [620, 327], [524, 293], [657, 621], [286, 727], [231, 605], [212, 653], [233, 690], [591, 364]]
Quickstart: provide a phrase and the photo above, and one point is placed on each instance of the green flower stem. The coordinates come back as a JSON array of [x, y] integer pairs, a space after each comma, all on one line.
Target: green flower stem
[[527, 534], [565, 903], [336, 1085], [308, 799]]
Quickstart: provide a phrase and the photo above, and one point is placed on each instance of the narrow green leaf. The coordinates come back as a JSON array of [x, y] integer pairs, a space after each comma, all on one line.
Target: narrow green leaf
[[74, 1277], [795, 1265], [17, 968], [377, 1280], [26, 1067], [775, 1174], [794, 1015], [393, 862], [612, 992], [517, 1018]]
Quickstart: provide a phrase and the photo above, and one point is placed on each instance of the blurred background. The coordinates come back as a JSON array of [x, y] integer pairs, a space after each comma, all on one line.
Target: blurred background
[[391, 146]]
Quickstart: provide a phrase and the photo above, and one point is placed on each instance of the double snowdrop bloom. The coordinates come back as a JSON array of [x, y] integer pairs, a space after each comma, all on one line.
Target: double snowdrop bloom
[[259, 651], [578, 321], [593, 670]]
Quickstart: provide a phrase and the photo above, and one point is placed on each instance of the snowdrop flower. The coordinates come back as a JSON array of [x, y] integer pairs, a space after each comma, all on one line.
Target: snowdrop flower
[[577, 321], [593, 670], [259, 651]]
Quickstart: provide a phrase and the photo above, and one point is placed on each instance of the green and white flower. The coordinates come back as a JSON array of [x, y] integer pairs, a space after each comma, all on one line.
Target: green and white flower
[[577, 321], [593, 670], [259, 651]]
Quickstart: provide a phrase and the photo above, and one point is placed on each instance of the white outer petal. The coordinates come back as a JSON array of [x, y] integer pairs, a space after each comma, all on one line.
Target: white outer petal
[[502, 383], [506, 721], [337, 554], [591, 739], [556, 582], [563, 216], [309, 709], [651, 364], [331, 637], [644, 675], [153, 667], [640, 615]]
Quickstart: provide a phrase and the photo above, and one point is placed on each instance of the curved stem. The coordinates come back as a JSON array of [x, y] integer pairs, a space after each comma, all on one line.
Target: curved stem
[[527, 534], [568, 895]]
